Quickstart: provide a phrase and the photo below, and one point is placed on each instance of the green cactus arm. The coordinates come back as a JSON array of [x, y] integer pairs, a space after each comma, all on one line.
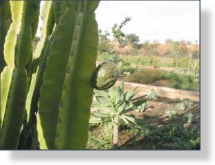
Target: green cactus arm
[[24, 52], [6, 77], [68, 85], [19, 38], [64, 4], [59, 9], [11, 38], [10, 41], [13, 116], [57, 5], [39, 64], [53, 79], [5, 21], [34, 30], [73, 119], [40, 56]]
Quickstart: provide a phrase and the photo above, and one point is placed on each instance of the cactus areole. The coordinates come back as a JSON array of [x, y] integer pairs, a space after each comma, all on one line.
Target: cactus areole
[[105, 75]]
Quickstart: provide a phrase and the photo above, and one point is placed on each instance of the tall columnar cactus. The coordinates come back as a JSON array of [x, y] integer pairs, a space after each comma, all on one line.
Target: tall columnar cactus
[[28, 136], [14, 78], [63, 121], [50, 87]]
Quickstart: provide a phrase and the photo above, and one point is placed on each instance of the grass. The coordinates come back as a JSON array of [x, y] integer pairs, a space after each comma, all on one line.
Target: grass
[[149, 60], [179, 79], [148, 76], [149, 137], [171, 137], [145, 76]]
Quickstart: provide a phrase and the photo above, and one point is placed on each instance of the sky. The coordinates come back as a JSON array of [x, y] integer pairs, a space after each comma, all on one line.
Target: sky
[[152, 20]]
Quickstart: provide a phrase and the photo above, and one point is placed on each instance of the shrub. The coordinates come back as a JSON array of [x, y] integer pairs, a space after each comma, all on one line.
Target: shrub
[[145, 76], [152, 94], [172, 114], [148, 76], [172, 137], [188, 117], [185, 103]]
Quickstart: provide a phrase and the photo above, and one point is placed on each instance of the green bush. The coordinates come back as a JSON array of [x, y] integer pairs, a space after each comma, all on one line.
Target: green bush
[[187, 83], [114, 58], [172, 137], [145, 76], [183, 104], [172, 114], [128, 69], [98, 142], [108, 57], [188, 117], [148, 76], [151, 94]]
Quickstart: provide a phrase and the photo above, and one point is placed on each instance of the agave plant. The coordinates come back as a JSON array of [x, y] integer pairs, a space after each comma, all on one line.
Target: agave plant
[[115, 105]]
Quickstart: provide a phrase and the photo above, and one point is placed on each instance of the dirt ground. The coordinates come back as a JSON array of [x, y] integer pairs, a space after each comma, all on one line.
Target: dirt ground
[[155, 113]]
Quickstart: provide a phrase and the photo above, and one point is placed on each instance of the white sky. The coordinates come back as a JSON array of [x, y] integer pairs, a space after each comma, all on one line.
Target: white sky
[[152, 20]]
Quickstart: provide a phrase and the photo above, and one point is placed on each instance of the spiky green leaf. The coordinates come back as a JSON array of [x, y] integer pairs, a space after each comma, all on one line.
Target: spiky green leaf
[[139, 103], [95, 120], [130, 94], [100, 114]]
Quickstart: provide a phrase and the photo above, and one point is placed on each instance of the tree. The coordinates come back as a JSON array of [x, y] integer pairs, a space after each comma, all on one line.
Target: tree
[[117, 32], [104, 42], [177, 50], [132, 39]]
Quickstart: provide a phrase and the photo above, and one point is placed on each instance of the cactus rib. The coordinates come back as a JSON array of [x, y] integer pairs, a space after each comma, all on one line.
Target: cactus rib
[[68, 84]]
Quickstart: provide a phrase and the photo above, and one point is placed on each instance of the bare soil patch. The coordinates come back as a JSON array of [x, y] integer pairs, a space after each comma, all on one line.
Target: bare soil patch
[[155, 113]]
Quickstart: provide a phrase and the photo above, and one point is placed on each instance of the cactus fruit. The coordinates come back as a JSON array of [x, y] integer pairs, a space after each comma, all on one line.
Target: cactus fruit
[[105, 75]]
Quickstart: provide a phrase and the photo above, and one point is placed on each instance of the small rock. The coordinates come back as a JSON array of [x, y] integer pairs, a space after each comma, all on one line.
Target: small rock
[[187, 125]]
